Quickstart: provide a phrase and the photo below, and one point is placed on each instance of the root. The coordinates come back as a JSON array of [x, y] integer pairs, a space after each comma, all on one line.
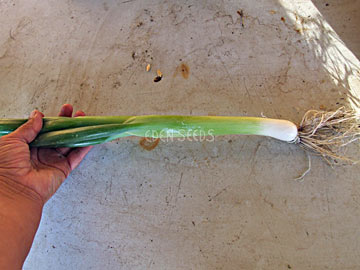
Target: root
[[327, 133], [302, 176]]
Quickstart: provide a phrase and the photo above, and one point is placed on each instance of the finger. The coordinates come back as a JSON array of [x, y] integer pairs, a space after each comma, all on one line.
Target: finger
[[65, 150], [77, 155], [28, 131], [79, 113], [65, 111]]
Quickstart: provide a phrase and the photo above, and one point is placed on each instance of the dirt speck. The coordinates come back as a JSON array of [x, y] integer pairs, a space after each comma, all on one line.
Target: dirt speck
[[116, 84], [283, 19], [185, 70], [105, 6], [149, 143], [157, 79]]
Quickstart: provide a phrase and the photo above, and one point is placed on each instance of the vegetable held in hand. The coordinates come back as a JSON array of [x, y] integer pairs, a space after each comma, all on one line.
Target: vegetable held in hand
[[322, 132]]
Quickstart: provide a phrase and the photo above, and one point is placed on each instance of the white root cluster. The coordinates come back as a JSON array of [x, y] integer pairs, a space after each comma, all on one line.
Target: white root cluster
[[327, 133]]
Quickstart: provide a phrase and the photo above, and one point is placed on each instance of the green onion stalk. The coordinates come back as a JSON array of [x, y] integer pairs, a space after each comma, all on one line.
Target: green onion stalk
[[322, 132]]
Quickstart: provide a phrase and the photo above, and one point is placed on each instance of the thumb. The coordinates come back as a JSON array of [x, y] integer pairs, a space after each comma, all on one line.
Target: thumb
[[28, 131]]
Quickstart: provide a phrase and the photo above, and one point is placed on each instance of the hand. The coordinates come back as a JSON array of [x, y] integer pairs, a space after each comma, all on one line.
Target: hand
[[38, 170]]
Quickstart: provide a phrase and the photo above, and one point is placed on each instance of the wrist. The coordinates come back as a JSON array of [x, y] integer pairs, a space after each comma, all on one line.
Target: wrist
[[16, 197], [20, 214], [15, 191]]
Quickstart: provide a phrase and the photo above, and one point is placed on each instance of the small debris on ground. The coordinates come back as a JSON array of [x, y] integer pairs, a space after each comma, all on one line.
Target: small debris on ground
[[157, 79], [159, 76], [241, 14], [185, 70], [149, 143], [148, 67]]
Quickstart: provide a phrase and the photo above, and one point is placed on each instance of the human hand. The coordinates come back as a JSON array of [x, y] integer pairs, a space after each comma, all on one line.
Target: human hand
[[28, 178], [38, 170]]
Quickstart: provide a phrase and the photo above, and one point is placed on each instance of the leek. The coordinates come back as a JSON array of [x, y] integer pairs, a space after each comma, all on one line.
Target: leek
[[322, 132], [90, 130]]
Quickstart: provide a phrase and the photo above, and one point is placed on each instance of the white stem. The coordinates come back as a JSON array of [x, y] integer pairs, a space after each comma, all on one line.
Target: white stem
[[279, 129]]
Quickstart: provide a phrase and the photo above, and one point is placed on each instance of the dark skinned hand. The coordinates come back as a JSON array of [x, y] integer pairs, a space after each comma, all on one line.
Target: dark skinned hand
[[41, 170]]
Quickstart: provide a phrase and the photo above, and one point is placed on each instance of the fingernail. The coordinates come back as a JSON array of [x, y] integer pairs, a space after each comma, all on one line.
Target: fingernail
[[33, 113]]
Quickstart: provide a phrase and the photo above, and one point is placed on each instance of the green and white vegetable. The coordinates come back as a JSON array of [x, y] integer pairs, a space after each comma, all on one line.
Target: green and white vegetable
[[318, 131], [90, 130]]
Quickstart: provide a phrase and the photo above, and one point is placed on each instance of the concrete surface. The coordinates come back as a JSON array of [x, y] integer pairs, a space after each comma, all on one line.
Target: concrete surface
[[344, 19], [229, 204]]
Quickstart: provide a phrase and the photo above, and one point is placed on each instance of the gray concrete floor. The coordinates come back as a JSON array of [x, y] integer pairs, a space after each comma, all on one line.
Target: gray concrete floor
[[229, 204], [344, 19]]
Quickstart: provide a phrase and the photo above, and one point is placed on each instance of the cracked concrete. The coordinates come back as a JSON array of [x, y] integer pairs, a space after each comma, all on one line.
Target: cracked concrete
[[228, 204]]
